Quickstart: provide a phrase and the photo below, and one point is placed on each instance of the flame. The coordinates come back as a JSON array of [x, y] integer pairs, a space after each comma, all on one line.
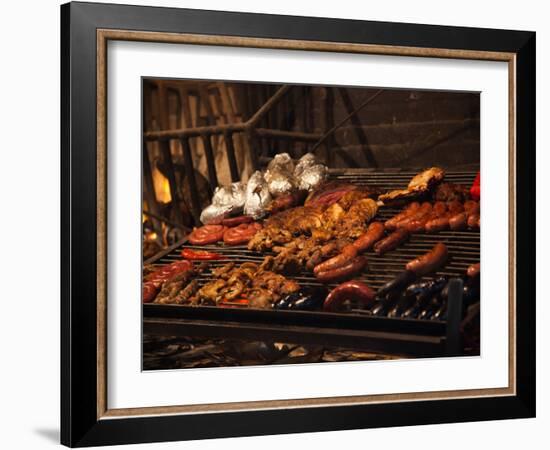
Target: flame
[[162, 187]]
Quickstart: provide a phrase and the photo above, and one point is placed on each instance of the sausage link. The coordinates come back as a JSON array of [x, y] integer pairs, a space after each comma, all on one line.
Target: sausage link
[[391, 224], [430, 261], [458, 221], [351, 290], [234, 221], [436, 225], [374, 233], [473, 221], [345, 272], [394, 240], [424, 211], [346, 255]]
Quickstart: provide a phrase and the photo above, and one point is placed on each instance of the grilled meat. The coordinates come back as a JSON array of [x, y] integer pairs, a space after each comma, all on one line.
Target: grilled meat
[[180, 287], [447, 192], [261, 287], [420, 184]]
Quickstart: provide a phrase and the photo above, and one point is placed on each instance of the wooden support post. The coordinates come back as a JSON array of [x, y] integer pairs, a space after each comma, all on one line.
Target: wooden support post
[[148, 187], [149, 191], [191, 181], [171, 175]]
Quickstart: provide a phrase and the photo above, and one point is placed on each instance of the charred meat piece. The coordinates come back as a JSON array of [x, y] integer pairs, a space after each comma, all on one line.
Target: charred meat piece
[[286, 201], [175, 290], [211, 293], [328, 193], [420, 184]]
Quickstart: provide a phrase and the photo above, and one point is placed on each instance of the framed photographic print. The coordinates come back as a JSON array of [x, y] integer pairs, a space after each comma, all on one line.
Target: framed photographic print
[[274, 224]]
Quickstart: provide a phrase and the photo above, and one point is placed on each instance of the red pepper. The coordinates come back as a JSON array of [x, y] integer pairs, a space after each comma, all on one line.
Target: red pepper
[[235, 303], [475, 190], [201, 255]]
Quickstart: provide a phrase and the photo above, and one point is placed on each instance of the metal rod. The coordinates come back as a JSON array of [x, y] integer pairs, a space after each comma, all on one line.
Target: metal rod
[[358, 127], [258, 115], [343, 121], [290, 135]]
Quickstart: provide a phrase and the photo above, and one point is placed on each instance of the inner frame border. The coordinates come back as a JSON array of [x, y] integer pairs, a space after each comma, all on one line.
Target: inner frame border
[[103, 36]]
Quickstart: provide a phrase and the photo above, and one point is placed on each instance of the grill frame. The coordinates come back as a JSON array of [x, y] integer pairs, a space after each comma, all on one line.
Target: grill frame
[[411, 337]]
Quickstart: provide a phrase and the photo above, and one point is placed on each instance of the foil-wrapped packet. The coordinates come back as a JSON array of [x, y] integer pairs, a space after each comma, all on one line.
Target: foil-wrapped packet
[[280, 182], [280, 175], [226, 201], [257, 196], [304, 162], [309, 172], [281, 162], [312, 177]]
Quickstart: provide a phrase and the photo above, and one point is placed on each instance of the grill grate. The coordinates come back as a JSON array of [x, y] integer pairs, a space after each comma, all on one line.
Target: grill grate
[[464, 246]]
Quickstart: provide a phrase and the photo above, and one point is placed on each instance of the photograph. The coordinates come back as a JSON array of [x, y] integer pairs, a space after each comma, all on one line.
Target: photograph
[[303, 223]]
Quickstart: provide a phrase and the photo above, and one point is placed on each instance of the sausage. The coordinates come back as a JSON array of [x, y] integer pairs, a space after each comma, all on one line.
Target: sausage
[[351, 290], [394, 240], [374, 233], [436, 225], [455, 207], [241, 234], [154, 280], [422, 212], [439, 208], [473, 270], [165, 272], [458, 221], [391, 224], [234, 221], [399, 282], [342, 273], [207, 234], [149, 291], [346, 255], [473, 220], [430, 261], [471, 207]]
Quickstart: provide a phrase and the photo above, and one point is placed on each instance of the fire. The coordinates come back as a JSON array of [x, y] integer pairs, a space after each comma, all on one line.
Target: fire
[[162, 187]]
